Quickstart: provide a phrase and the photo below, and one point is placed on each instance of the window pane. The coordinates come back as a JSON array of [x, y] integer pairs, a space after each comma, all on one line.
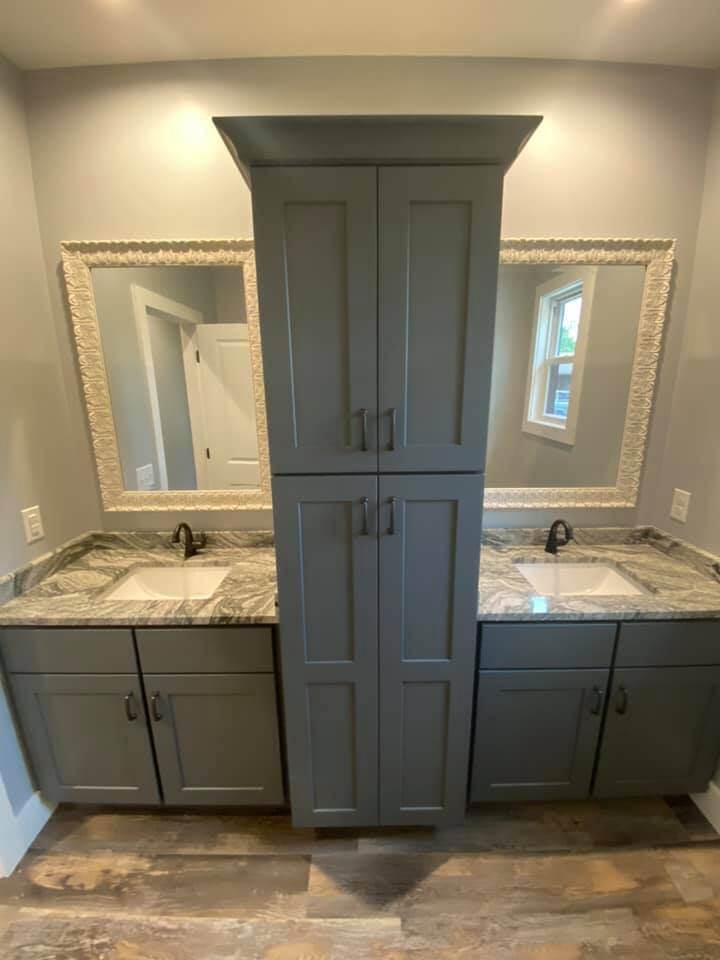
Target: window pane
[[558, 390], [568, 325]]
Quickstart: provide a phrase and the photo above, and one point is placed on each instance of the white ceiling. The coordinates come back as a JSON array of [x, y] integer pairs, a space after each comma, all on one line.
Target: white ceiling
[[62, 33]]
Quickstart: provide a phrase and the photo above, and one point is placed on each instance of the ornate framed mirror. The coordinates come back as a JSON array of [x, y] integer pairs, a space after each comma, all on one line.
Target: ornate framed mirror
[[168, 344], [578, 338]]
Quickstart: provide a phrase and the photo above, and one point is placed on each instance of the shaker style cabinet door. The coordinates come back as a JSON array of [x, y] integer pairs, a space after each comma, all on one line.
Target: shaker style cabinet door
[[661, 731], [316, 248], [438, 238], [327, 559], [216, 737], [536, 733], [429, 531], [87, 737]]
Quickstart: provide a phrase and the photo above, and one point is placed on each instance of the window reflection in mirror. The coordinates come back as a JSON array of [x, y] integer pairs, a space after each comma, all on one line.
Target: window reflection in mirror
[[178, 361], [563, 355]]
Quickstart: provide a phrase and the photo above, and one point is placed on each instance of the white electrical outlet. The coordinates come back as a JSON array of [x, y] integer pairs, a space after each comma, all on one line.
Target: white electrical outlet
[[32, 522], [145, 477], [680, 505]]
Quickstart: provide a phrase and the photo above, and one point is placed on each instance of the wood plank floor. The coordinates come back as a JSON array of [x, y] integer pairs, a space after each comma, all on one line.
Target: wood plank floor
[[573, 881]]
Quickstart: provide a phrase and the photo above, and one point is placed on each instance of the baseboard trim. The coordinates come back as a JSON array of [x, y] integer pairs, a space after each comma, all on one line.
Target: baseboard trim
[[29, 822], [709, 803]]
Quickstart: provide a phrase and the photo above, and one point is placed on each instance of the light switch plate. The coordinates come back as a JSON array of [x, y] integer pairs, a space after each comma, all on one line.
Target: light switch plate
[[145, 477], [680, 505], [32, 522]]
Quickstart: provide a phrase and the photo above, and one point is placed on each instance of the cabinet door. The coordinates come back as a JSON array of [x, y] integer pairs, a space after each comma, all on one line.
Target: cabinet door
[[439, 230], [662, 733], [536, 733], [87, 736], [327, 557], [315, 243], [429, 554], [216, 738]]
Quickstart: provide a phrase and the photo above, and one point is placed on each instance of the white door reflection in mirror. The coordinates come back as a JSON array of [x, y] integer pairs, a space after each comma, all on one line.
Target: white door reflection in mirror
[[178, 361], [225, 378]]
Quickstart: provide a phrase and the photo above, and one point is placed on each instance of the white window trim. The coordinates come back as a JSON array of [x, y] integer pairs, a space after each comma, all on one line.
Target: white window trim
[[564, 431]]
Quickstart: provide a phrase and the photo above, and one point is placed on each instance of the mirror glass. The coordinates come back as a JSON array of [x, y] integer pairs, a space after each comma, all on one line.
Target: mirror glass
[[565, 340], [179, 367]]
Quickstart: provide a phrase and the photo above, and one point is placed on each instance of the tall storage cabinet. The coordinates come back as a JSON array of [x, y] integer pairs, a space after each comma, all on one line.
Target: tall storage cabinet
[[377, 250]]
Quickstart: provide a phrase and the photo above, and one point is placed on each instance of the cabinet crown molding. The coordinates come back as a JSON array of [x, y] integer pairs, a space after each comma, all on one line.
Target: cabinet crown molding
[[388, 139]]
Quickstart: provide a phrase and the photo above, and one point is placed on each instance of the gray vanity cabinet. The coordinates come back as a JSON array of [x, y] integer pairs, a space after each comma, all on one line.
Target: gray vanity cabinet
[[438, 236], [661, 733], [537, 733], [216, 738], [316, 242], [429, 538], [327, 563], [87, 737]]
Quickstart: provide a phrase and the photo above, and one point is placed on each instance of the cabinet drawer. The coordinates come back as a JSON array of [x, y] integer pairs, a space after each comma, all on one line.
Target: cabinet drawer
[[206, 650], [60, 650], [670, 643], [538, 646]]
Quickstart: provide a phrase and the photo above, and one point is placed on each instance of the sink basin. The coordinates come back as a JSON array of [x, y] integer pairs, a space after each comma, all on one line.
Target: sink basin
[[578, 579], [168, 583]]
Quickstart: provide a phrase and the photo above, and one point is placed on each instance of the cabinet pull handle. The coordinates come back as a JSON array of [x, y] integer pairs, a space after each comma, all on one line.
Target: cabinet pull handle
[[130, 712], [621, 701], [364, 422], [598, 694], [366, 525], [155, 706], [393, 427], [391, 528]]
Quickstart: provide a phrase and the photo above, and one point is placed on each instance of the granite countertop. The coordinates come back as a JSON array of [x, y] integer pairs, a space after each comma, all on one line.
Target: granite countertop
[[679, 580], [67, 587]]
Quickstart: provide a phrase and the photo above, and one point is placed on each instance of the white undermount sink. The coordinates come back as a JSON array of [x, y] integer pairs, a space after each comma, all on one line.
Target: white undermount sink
[[578, 579], [168, 583]]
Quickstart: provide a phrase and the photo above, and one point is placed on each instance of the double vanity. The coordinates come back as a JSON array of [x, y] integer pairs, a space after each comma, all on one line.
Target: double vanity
[[603, 680], [337, 369]]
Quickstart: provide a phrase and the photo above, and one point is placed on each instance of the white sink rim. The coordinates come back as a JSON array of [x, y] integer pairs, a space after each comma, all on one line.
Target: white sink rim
[[168, 583], [577, 579]]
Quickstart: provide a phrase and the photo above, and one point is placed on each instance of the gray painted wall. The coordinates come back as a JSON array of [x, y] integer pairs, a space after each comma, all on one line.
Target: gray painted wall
[[39, 463], [130, 152], [519, 459], [691, 455], [36, 465]]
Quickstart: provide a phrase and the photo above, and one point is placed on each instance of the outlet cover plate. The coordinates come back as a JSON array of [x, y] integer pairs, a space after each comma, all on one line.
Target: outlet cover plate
[[32, 522], [680, 505]]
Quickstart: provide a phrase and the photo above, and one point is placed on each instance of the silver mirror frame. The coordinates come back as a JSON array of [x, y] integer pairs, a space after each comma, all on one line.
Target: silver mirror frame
[[78, 259], [658, 257]]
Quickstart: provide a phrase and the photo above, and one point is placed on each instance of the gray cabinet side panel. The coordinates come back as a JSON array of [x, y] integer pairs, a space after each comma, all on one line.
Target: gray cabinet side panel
[[667, 739], [216, 738], [327, 583], [438, 234], [83, 747], [428, 610], [315, 243], [536, 733]]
